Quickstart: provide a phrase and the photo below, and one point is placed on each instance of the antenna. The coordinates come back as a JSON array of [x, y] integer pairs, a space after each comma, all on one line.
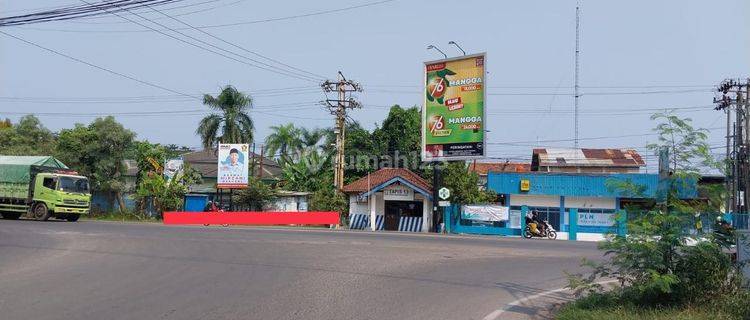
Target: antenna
[[576, 94]]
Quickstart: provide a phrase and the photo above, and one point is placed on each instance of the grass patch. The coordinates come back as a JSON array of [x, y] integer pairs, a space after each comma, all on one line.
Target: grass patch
[[609, 306], [116, 216]]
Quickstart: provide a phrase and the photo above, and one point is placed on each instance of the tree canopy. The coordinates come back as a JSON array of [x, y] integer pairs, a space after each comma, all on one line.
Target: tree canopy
[[232, 124]]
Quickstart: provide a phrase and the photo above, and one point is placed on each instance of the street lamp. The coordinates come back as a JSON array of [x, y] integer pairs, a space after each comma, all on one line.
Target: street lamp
[[438, 49], [457, 46]]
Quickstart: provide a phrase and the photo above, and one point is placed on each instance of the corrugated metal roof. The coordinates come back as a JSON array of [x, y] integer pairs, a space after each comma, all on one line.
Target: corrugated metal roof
[[482, 168], [559, 157]]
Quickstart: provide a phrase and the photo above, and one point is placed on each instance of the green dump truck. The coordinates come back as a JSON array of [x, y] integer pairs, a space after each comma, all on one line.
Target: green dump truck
[[41, 187]]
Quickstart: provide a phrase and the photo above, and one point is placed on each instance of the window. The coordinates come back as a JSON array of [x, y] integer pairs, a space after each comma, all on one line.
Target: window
[[551, 214], [49, 183], [71, 184]]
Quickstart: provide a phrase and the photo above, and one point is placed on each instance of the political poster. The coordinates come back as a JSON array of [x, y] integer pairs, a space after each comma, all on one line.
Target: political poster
[[232, 166], [453, 114], [172, 168]]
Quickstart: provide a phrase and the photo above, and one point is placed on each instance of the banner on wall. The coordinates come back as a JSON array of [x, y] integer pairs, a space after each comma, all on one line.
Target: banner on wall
[[596, 219], [484, 213], [453, 113], [232, 166]]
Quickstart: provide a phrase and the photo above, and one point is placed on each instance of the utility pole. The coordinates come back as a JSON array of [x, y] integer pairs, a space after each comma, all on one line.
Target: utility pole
[[576, 94], [733, 96], [338, 107]]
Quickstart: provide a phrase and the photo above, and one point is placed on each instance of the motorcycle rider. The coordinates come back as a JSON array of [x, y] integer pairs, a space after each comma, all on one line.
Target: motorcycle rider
[[532, 220]]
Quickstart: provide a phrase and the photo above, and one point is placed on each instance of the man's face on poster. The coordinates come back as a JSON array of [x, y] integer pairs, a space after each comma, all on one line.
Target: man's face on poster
[[233, 158]]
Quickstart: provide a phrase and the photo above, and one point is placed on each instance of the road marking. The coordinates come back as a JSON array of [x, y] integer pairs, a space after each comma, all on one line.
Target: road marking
[[497, 313]]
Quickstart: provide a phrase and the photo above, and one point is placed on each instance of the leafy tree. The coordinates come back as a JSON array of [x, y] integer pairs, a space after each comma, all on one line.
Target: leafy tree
[[256, 196], [96, 152], [654, 264], [284, 139], [26, 138], [688, 147], [308, 173], [232, 125], [399, 137], [327, 199], [166, 195], [464, 185]]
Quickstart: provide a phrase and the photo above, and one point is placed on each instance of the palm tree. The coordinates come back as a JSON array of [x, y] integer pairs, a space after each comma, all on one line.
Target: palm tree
[[311, 138], [283, 139], [233, 125]]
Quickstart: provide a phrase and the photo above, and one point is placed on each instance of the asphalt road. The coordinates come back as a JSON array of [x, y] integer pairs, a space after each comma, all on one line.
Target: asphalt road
[[99, 270]]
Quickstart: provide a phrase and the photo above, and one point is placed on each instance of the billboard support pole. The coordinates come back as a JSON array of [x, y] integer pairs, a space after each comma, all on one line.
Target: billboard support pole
[[231, 195], [436, 181]]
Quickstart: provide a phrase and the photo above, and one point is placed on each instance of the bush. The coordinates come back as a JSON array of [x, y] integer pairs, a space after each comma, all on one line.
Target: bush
[[705, 272]]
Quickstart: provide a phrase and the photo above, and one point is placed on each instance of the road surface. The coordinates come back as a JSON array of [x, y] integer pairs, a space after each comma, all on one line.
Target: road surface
[[101, 270]]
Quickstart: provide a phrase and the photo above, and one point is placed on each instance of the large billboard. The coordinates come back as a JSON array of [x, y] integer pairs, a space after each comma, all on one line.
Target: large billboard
[[233, 163], [453, 112]]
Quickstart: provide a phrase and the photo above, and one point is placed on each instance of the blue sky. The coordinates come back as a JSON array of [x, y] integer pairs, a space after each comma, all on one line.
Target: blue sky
[[637, 56]]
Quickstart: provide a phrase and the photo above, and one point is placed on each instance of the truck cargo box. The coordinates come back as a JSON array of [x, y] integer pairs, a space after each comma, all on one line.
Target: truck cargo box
[[16, 173]]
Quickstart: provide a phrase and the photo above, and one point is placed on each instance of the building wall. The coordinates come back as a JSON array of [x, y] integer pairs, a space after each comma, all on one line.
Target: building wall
[[534, 200], [590, 202], [364, 207], [287, 203]]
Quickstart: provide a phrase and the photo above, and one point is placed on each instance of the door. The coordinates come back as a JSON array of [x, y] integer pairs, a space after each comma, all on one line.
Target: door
[[392, 216]]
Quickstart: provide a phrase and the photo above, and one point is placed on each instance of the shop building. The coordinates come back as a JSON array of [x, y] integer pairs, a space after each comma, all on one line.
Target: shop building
[[394, 199]]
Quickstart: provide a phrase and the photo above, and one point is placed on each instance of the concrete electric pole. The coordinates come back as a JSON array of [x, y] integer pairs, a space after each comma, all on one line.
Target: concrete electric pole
[[733, 96], [338, 107]]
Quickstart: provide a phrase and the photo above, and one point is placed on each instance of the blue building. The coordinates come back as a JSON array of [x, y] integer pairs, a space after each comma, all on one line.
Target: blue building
[[552, 194]]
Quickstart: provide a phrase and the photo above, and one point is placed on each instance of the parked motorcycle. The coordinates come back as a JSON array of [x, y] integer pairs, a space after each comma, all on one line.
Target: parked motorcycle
[[547, 232]]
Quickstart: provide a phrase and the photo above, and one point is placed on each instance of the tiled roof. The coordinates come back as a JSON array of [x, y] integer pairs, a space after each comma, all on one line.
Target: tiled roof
[[482, 168], [587, 158], [381, 176]]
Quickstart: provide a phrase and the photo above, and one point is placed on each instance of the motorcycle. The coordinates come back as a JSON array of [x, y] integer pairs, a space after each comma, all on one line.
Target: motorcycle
[[547, 232], [212, 207]]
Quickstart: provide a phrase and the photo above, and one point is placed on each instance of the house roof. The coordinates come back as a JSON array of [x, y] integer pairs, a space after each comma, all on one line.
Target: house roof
[[552, 157], [205, 161], [377, 178], [482, 168]]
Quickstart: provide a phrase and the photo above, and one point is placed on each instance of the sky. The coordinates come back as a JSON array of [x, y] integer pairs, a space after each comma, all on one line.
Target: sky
[[637, 57]]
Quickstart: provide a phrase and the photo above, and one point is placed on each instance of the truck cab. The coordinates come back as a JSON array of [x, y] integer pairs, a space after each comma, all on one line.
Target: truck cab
[[58, 195]]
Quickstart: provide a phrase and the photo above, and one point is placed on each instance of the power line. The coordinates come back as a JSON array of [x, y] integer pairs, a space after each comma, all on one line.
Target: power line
[[78, 11], [169, 9], [282, 72], [590, 138], [98, 67], [291, 17], [237, 46]]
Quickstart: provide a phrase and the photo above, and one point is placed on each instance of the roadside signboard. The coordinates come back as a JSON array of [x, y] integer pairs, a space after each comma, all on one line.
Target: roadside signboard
[[233, 163], [172, 167], [444, 193], [485, 212], [453, 113], [398, 192]]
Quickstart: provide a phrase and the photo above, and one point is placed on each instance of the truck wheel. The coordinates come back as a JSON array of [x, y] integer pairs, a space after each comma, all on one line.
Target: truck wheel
[[11, 216], [72, 217], [41, 212]]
